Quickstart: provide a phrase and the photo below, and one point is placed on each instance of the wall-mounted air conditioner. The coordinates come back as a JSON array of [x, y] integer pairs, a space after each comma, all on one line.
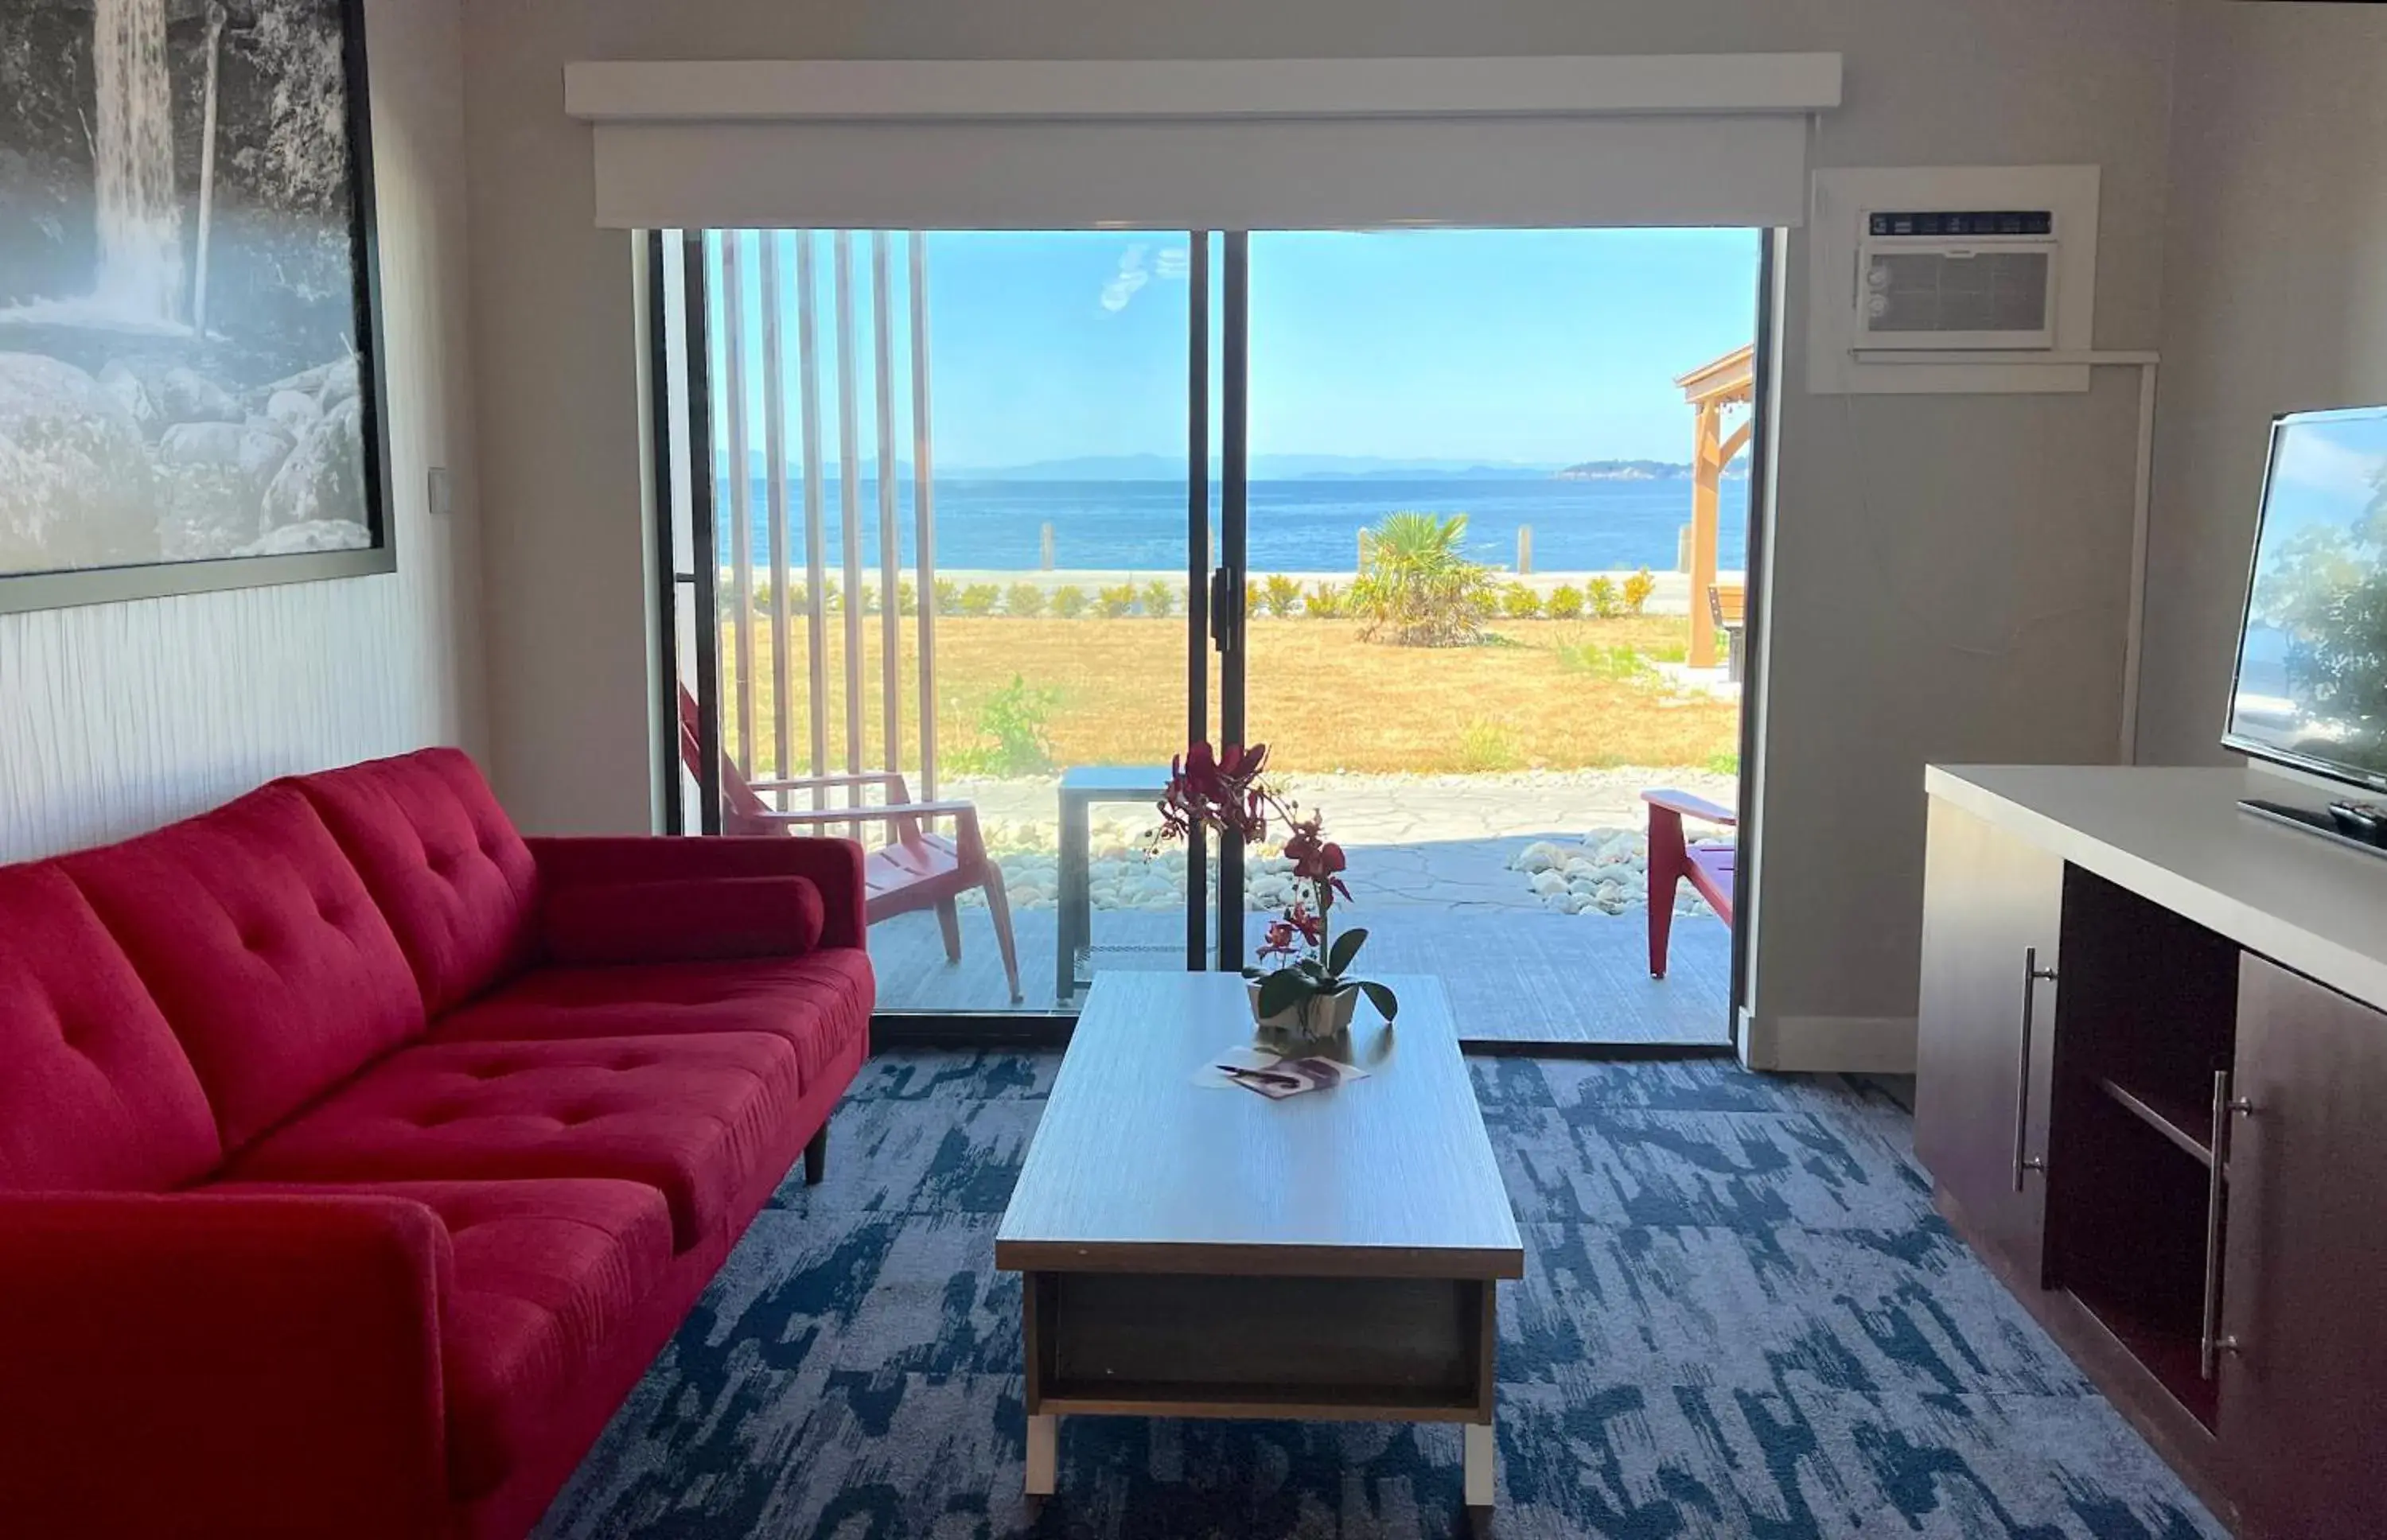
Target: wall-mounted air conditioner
[[1957, 279]]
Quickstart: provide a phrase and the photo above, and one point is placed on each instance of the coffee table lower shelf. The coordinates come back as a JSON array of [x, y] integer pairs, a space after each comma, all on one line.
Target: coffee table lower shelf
[[1116, 1343]]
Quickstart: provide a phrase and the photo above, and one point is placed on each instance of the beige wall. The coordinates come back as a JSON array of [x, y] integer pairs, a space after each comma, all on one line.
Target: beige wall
[[1950, 571], [2276, 299], [117, 717]]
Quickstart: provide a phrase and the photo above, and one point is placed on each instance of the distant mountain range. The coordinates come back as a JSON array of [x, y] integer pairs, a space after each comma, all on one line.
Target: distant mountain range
[[1625, 470], [1300, 467]]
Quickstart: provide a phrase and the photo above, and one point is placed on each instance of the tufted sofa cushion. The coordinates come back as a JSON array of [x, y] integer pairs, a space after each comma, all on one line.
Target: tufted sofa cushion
[[442, 860], [691, 1116], [545, 1274], [95, 1091], [258, 941], [819, 1003]]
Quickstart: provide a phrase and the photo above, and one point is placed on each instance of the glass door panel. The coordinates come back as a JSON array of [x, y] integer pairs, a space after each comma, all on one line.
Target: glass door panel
[[1497, 507], [958, 525]]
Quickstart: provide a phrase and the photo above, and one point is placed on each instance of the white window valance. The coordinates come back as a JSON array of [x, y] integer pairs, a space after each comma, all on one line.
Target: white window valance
[[1247, 143]]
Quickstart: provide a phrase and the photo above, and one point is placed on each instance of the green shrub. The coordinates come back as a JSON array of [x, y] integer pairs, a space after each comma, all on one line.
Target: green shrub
[[1519, 602], [1068, 601], [1723, 765], [1564, 603], [1251, 595], [1024, 600], [1606, 662], [907, 598], [1014, 733], [1325, 603], [1283, 594], [870, 598], [980, 599], [1486, 746], [1601, 594], [1159, 599], [1113, 603], [948, 597], [1416, 585], [1637, 589], [1669, 652]]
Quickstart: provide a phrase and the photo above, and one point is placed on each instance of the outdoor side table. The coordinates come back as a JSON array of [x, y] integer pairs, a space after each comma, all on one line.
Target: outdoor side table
[[1081, 787]]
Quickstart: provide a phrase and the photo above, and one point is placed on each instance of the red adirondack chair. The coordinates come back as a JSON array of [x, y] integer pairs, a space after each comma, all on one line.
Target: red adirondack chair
[[1673, 859], [919, 869]]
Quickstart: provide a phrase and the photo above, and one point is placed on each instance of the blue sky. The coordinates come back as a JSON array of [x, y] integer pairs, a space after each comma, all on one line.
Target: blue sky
[[1540, 346]]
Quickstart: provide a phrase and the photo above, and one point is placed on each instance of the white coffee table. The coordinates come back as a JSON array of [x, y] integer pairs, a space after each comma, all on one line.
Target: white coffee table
[[1198, 1251]]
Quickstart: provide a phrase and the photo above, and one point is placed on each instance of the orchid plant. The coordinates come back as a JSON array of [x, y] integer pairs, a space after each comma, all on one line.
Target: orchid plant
[[1225, 790]]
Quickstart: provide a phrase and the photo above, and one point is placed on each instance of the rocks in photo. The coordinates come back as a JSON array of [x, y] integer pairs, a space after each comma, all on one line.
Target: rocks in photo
[[76, 489], [293, 412], [317, 536], [185, 394], [121, 381], [324, 477], [339, 385], [214, 476], [252, 451]]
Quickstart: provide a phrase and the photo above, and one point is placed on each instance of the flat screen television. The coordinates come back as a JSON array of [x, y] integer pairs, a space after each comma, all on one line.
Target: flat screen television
[[2311, 684]]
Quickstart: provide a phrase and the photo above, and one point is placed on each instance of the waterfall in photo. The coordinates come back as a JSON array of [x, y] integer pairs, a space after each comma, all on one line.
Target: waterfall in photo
[[137, 283], [139, 278]]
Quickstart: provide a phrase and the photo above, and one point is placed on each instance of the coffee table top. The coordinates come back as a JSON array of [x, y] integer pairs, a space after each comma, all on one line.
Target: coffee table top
[[1136, 1169]]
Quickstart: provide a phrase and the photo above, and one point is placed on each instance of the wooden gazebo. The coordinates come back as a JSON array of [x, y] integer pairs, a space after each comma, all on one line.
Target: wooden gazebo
[[1711, 390]]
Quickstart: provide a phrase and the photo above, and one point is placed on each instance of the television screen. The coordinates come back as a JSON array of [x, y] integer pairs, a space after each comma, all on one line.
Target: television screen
[[2312, 656]]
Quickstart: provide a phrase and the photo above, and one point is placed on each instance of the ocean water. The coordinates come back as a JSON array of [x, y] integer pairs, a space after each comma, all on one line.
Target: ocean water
[[1311, 525]]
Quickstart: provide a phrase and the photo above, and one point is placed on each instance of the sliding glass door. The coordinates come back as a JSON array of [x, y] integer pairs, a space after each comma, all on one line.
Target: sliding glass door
[[996, 524]]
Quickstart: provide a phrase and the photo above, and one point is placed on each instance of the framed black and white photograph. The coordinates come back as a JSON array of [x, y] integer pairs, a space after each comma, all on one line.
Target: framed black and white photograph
[[191, 394]]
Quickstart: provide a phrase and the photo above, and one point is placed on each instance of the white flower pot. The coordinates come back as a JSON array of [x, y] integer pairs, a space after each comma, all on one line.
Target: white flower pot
[[1314, 1020]]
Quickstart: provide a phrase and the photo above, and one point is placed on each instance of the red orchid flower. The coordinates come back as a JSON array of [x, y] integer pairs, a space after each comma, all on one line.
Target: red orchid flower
[[1216, 789], [1316, 859]]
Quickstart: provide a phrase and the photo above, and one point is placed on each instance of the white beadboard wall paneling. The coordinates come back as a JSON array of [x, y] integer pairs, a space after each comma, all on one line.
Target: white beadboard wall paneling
[[117, 718]]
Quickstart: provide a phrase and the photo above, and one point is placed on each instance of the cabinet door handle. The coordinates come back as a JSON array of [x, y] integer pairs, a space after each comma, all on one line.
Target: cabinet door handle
[[2210, 1342], [2031, 976]]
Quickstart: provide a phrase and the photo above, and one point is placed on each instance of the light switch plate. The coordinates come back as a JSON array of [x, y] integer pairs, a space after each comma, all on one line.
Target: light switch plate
[[441, 493]]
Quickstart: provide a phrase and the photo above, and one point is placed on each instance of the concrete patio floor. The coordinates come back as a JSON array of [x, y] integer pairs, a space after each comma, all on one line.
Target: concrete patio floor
[[1514, 974], [1431, 870]]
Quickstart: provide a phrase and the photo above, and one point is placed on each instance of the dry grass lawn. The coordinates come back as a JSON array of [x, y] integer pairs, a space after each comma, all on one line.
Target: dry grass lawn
[[1549, 694]]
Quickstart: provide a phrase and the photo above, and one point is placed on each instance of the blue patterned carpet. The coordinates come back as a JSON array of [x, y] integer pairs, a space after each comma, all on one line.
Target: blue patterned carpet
[[1740, 1316]]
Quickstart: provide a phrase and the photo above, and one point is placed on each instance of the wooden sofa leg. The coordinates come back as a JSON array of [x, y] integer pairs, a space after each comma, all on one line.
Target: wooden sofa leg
[[816, 1158]]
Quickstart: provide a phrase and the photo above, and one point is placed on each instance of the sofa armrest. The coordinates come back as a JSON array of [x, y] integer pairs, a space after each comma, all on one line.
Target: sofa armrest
[[834, 867], [192, 1364]]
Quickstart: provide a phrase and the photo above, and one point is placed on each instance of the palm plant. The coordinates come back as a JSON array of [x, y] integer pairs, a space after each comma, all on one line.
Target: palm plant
[[1416, 585]]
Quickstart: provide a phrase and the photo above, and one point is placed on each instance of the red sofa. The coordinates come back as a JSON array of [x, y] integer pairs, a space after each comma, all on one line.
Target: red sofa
[[357, 1154]]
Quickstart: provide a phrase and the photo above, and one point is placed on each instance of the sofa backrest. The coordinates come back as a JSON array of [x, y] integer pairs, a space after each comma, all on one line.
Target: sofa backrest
[[260, 944], [95, 1091], [444, 863]]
